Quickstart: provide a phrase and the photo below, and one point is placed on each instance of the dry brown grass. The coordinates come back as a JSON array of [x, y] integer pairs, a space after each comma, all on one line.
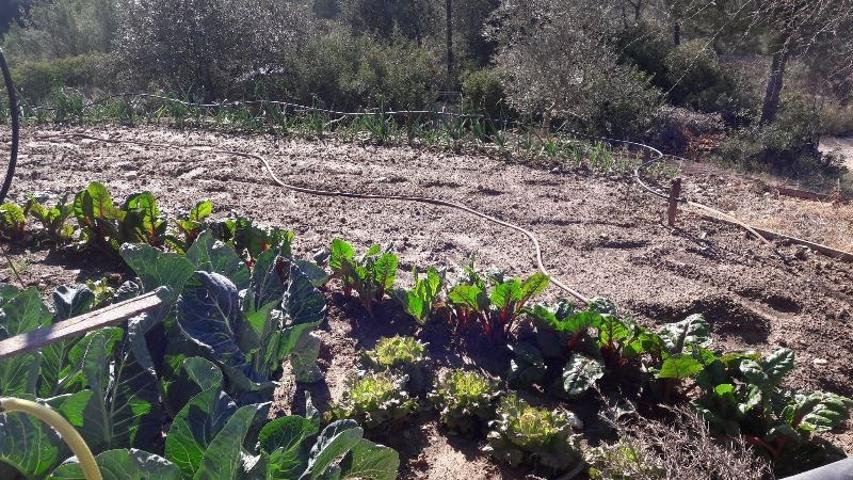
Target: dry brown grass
[[679, 449], [822, 222]]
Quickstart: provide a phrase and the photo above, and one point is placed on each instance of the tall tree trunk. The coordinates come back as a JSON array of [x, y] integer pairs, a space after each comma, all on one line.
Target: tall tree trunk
[[774, 86], [449, 7]]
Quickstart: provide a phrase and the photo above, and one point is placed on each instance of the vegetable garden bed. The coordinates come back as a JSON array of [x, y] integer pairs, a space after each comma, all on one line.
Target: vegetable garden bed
[[601, 359]]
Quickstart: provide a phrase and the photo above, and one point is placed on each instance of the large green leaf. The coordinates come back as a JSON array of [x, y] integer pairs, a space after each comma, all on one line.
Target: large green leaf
[[693, 330], [122, 464], [284, 440], [680, 367], [340, 251], [158, 269], [370, 461], [195, 427], [93, 203], [29, 445], [212, 255], [580, 374], [506, 294], [534, 285], [222, 458], [333, 443], [195, 375], [818, 411], [302, 302], [470, 297], [267, 279], [70, 301], [120, 406], [209, 314]]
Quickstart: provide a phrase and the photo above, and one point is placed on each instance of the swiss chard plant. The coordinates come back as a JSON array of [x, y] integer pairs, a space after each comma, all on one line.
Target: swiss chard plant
[[370, 275], [53, 219], [536, 437], [190, 226], [465, 400], [570, 351], [405, 355], [13, 221], [420, 300], [377, 400], [250, 239], [495, 303], [106, 225], [743, 394]]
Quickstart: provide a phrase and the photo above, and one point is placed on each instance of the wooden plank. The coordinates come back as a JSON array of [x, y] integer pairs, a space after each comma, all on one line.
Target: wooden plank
[[80, 325], [828, 251]]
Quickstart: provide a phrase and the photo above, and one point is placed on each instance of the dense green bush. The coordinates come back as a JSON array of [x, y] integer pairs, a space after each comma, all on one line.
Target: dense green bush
[[37, 79], [350, 72], [483, 93], [788, 146], [645, 47]]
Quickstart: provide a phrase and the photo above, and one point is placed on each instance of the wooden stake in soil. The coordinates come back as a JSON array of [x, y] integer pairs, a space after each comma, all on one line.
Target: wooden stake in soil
[[77, 326], [674, 195]]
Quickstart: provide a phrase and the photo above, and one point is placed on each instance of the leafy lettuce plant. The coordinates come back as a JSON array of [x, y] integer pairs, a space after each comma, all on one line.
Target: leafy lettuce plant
[[53, 219], [13, 221], [370, 275], [497, 306], [376, 400], [537, 437], [420, 301], [404, 355], [465, 400]]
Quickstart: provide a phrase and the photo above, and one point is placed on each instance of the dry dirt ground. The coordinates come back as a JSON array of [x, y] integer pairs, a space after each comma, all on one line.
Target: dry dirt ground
[[599, 234]]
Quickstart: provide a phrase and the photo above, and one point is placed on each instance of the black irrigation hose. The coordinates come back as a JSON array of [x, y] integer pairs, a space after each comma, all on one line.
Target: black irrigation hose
[[13, 112]]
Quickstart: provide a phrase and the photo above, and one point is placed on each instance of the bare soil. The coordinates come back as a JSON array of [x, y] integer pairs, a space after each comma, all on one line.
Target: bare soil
[[599, 233]]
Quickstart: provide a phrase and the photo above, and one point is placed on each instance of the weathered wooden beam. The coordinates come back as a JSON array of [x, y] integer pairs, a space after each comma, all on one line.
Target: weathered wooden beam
[[80, 325]]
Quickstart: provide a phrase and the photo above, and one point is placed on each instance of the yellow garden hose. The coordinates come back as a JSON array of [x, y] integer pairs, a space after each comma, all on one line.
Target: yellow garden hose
[[68, 433]]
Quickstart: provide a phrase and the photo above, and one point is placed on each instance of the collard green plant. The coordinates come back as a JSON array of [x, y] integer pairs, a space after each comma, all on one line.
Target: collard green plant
[[420, 300], [13, 221], [495, 307], [53, 219], [376, 400], [370, 275], [465, 400], [537, 437]]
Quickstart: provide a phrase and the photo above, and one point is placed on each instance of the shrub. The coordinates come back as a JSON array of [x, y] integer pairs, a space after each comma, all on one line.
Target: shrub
[[645, 47], [788, 147], [465, 400], [483, 93], [37, 79], [697, 79], [526, 435], [375, 400], [357, 72]]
